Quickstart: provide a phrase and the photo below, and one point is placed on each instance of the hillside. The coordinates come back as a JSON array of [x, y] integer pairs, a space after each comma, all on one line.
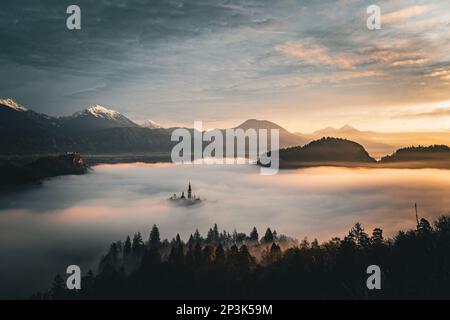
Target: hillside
[[325, 151], [46, 167], [420, 153]]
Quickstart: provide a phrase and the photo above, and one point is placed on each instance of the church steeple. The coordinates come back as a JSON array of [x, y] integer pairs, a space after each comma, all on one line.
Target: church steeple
[[189, 191]]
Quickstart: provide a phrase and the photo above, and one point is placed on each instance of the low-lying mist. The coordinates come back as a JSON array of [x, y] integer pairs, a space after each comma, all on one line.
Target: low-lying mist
[[73, 219]]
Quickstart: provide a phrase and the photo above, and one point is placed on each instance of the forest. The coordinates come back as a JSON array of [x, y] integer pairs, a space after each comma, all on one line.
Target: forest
[[414, 264]]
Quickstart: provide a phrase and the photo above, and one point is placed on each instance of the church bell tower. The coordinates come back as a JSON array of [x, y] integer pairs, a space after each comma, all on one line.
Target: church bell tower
[[189, 191]]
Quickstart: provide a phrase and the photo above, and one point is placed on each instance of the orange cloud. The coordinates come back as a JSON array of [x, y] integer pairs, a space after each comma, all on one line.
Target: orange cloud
[[443, 74], [404, 14], [410, 62], [314, 54]]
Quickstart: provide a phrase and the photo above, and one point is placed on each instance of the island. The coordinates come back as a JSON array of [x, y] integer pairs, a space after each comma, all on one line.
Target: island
[[185, 201]]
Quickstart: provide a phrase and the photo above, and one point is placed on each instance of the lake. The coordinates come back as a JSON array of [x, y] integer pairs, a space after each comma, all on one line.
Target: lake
[[73, 219]]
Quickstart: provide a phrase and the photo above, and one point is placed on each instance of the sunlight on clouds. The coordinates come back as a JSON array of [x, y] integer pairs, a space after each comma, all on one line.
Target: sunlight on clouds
[[314, 53], [409, 62], [405, 14]]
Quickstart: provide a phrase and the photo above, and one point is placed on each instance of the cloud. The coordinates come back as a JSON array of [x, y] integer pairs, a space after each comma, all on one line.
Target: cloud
[[176, 60], [404, 14], [310, 52], [435, 113], [409, 62], [314, 54], [442, 73]]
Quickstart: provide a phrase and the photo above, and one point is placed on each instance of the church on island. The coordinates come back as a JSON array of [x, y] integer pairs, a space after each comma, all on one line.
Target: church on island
[[183, 200]]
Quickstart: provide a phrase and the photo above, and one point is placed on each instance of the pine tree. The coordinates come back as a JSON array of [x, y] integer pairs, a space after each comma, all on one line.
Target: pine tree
[[210, 236], [197, 236], [254, 235], [220, 253], [198, 256], [137, 242], [154, 239], [58, 288], [377, 236], [127, 246], [191, 241], [268, 236], [424, 227], [246, 260], [176, 256], [208, 253], [357, 234]]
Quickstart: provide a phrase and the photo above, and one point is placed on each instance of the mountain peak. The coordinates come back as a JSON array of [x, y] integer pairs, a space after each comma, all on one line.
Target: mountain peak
[[12, 104], [332, 130], [259, 124], [348, 128], [150, 124], [99, 111]]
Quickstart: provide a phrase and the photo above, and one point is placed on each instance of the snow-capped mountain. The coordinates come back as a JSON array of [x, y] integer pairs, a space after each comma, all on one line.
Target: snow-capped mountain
[[94, 118], [10, 103], [99, 111], [16, 120], [150, 124]]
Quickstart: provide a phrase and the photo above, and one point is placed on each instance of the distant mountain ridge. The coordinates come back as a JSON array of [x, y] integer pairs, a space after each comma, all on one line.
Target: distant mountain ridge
[[101, 131], [332, 130], [96, 129], [287, 139]]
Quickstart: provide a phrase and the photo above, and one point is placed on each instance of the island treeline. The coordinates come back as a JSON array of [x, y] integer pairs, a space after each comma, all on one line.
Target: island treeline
[[14, 174], [414, 264]]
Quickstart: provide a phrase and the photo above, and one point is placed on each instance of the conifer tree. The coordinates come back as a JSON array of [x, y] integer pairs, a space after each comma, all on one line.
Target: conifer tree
[[254, 235]]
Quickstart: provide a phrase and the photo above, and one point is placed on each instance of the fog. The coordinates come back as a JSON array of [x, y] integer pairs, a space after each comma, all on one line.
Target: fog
[[73, 219]]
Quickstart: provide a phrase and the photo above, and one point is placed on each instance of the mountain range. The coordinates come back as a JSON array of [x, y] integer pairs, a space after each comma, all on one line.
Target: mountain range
[[98, 131], [95, 130]]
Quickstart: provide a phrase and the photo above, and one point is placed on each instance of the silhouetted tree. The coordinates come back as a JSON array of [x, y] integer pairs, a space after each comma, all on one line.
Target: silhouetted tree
[[176, 256], [208, 253], [377, 236], [127, 246], [357, 234], [254, 235], [137, 242], [424, 226], [334, 269], [268, 236], [154, 239], [220, 253], [197, 236], [58, 289]]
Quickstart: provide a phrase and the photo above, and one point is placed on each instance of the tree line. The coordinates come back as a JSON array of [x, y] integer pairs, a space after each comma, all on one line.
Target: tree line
[[414, 264]]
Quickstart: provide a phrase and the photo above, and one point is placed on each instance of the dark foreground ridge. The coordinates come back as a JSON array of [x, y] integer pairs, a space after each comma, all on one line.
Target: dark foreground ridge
[[329, 151], [46, 167], [420, 153], [414, 264]]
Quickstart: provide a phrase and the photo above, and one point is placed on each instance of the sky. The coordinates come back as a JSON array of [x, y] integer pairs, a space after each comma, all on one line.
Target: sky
[[303, 64]]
